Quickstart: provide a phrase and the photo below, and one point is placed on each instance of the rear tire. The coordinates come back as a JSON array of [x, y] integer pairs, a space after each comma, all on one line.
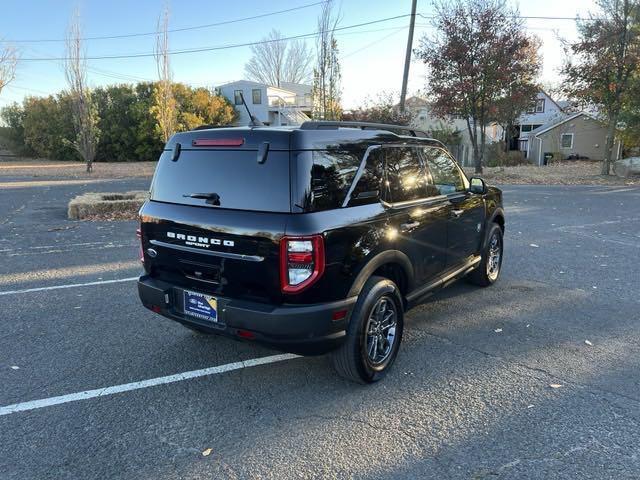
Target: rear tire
[[488, 272], [373, 335]]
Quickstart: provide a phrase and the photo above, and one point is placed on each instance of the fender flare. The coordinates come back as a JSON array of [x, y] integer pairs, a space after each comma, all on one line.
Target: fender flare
[[389, 256], [499, 211]]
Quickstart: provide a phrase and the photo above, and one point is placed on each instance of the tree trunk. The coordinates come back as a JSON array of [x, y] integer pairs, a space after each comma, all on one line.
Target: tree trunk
[[610, 142], [89, 166], [473, 135]]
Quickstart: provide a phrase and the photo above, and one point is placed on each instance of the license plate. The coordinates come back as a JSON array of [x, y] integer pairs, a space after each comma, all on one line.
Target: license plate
[[199, 305]]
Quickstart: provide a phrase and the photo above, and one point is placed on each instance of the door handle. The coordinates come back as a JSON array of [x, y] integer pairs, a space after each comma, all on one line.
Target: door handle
[[409, 226], [457, 213]]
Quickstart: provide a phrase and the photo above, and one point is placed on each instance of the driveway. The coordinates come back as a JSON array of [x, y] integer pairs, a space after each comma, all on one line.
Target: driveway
[[535, 377]]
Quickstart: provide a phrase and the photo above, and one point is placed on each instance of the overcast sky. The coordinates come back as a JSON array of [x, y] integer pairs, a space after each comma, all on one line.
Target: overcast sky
[[372, 56]]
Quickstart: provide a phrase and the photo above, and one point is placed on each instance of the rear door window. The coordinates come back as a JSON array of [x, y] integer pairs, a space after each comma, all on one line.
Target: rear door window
[[406, 177], [240, 182]]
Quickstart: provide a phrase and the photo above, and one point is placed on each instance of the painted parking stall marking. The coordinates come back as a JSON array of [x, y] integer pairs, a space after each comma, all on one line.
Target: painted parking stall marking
[[152, 382]]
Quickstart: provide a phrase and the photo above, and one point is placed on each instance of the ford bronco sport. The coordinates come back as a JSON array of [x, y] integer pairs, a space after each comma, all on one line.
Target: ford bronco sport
[[313, 239]]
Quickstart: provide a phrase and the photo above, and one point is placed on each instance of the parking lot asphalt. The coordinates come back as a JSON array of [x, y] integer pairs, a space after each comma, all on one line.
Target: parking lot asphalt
[[535, 377]]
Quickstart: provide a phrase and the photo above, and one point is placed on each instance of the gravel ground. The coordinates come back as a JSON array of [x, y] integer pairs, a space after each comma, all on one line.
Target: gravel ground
[[565, 173]]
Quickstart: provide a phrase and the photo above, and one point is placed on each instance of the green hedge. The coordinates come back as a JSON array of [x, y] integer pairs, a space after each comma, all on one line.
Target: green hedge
[[43, 127]]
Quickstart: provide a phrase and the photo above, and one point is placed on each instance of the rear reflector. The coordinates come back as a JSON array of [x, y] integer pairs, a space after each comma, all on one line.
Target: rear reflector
[[338, 315], [246, 334], [218, 142]]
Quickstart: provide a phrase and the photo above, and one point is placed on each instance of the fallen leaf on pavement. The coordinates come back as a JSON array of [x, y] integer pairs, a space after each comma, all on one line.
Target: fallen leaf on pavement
[[588, 343], [498, 330], [555, 385], [534, 245], [206, 452]]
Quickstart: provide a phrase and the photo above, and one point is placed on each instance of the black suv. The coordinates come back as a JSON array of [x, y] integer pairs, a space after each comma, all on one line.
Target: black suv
[[315, 238]]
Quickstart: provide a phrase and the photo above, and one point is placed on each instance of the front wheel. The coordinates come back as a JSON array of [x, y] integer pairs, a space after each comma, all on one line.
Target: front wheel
[[374, 333], [488, 271]]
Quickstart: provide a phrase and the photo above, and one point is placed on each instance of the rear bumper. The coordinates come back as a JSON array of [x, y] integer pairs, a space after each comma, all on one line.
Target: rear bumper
[[301, 329]]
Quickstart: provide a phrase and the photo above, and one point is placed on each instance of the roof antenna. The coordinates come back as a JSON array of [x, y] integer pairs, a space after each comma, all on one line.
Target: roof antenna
[[254, 121]]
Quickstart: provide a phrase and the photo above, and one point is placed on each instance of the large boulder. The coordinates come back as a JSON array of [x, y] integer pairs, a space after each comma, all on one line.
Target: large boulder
[[627, 167]]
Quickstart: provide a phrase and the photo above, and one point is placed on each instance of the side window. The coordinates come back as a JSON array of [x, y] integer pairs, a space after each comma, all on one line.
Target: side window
[[369, 187], [237, 97], [444, 171], [406, 178], [331, 175]]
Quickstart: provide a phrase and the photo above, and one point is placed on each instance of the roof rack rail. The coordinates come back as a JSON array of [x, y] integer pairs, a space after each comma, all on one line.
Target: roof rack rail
[[209, 127], [330, 125]]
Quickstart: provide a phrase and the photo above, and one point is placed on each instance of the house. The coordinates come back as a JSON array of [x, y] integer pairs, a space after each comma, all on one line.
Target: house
[[425, 120], [577, 136], [541, 112], [289, 104]]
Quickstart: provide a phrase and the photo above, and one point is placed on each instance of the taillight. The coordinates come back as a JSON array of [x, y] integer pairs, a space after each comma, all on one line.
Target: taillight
[[301, 262], [141, 251]]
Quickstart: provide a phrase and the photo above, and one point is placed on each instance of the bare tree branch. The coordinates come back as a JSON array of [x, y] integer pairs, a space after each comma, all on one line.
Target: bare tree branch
[[276, 61], [327, 90], [85, 117], [165, 104], [8, 65]]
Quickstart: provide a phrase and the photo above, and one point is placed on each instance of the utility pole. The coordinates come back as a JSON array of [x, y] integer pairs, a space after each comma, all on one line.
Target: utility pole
[[407, 59]]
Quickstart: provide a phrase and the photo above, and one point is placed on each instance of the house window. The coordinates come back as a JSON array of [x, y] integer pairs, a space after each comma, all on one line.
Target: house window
[[256, 93], [540, 105], [237, 97], [566, 140], [526, 128]]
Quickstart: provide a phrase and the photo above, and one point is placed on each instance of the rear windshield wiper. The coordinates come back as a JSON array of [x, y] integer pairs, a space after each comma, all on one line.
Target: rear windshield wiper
[[212, 197]]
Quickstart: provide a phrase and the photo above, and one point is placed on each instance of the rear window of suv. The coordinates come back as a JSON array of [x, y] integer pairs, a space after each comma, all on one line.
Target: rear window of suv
[[240, 182]]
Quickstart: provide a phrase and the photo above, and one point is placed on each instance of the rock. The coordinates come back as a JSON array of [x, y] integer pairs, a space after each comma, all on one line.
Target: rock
[[627, 167]]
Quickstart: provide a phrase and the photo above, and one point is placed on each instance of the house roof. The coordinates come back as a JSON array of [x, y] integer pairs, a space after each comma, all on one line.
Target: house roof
[[297, 88], [286, 87], [556, 123]]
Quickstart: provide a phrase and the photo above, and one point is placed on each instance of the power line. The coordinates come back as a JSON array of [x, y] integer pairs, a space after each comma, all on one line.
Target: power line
[[215, 48], [173, 30]]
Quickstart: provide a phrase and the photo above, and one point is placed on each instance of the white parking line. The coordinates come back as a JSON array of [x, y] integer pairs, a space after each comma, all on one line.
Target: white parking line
[[152, 382], [71, 285]]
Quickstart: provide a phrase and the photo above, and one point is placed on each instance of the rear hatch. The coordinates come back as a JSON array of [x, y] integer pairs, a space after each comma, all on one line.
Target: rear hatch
[[216, 214]]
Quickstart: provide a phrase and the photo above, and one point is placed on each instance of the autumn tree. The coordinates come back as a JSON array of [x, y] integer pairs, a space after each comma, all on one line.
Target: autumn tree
[[164, 104], [478, 56], [8, 64], [275, 60], [381, 109], [85, 116], [327, 90], [602, 62]]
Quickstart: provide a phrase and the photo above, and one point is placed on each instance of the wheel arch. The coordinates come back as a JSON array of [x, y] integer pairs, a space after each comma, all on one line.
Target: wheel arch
[[391, 264]]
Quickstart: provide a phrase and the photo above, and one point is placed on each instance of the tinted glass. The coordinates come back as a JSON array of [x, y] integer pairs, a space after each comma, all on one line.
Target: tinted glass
[[331, 176], [369, 186], [444, 171], [236, 176], [406, 178]]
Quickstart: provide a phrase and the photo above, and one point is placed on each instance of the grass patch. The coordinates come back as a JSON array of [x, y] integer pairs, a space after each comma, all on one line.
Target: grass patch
[[561, 173], [107, 206]]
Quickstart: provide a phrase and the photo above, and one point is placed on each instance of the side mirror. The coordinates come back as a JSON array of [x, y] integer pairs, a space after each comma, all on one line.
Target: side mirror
[[477, 185]]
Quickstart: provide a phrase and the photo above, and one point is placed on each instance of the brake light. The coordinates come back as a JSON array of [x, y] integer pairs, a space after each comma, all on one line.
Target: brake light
[[301, 262], [141, 251], [218, 142]]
